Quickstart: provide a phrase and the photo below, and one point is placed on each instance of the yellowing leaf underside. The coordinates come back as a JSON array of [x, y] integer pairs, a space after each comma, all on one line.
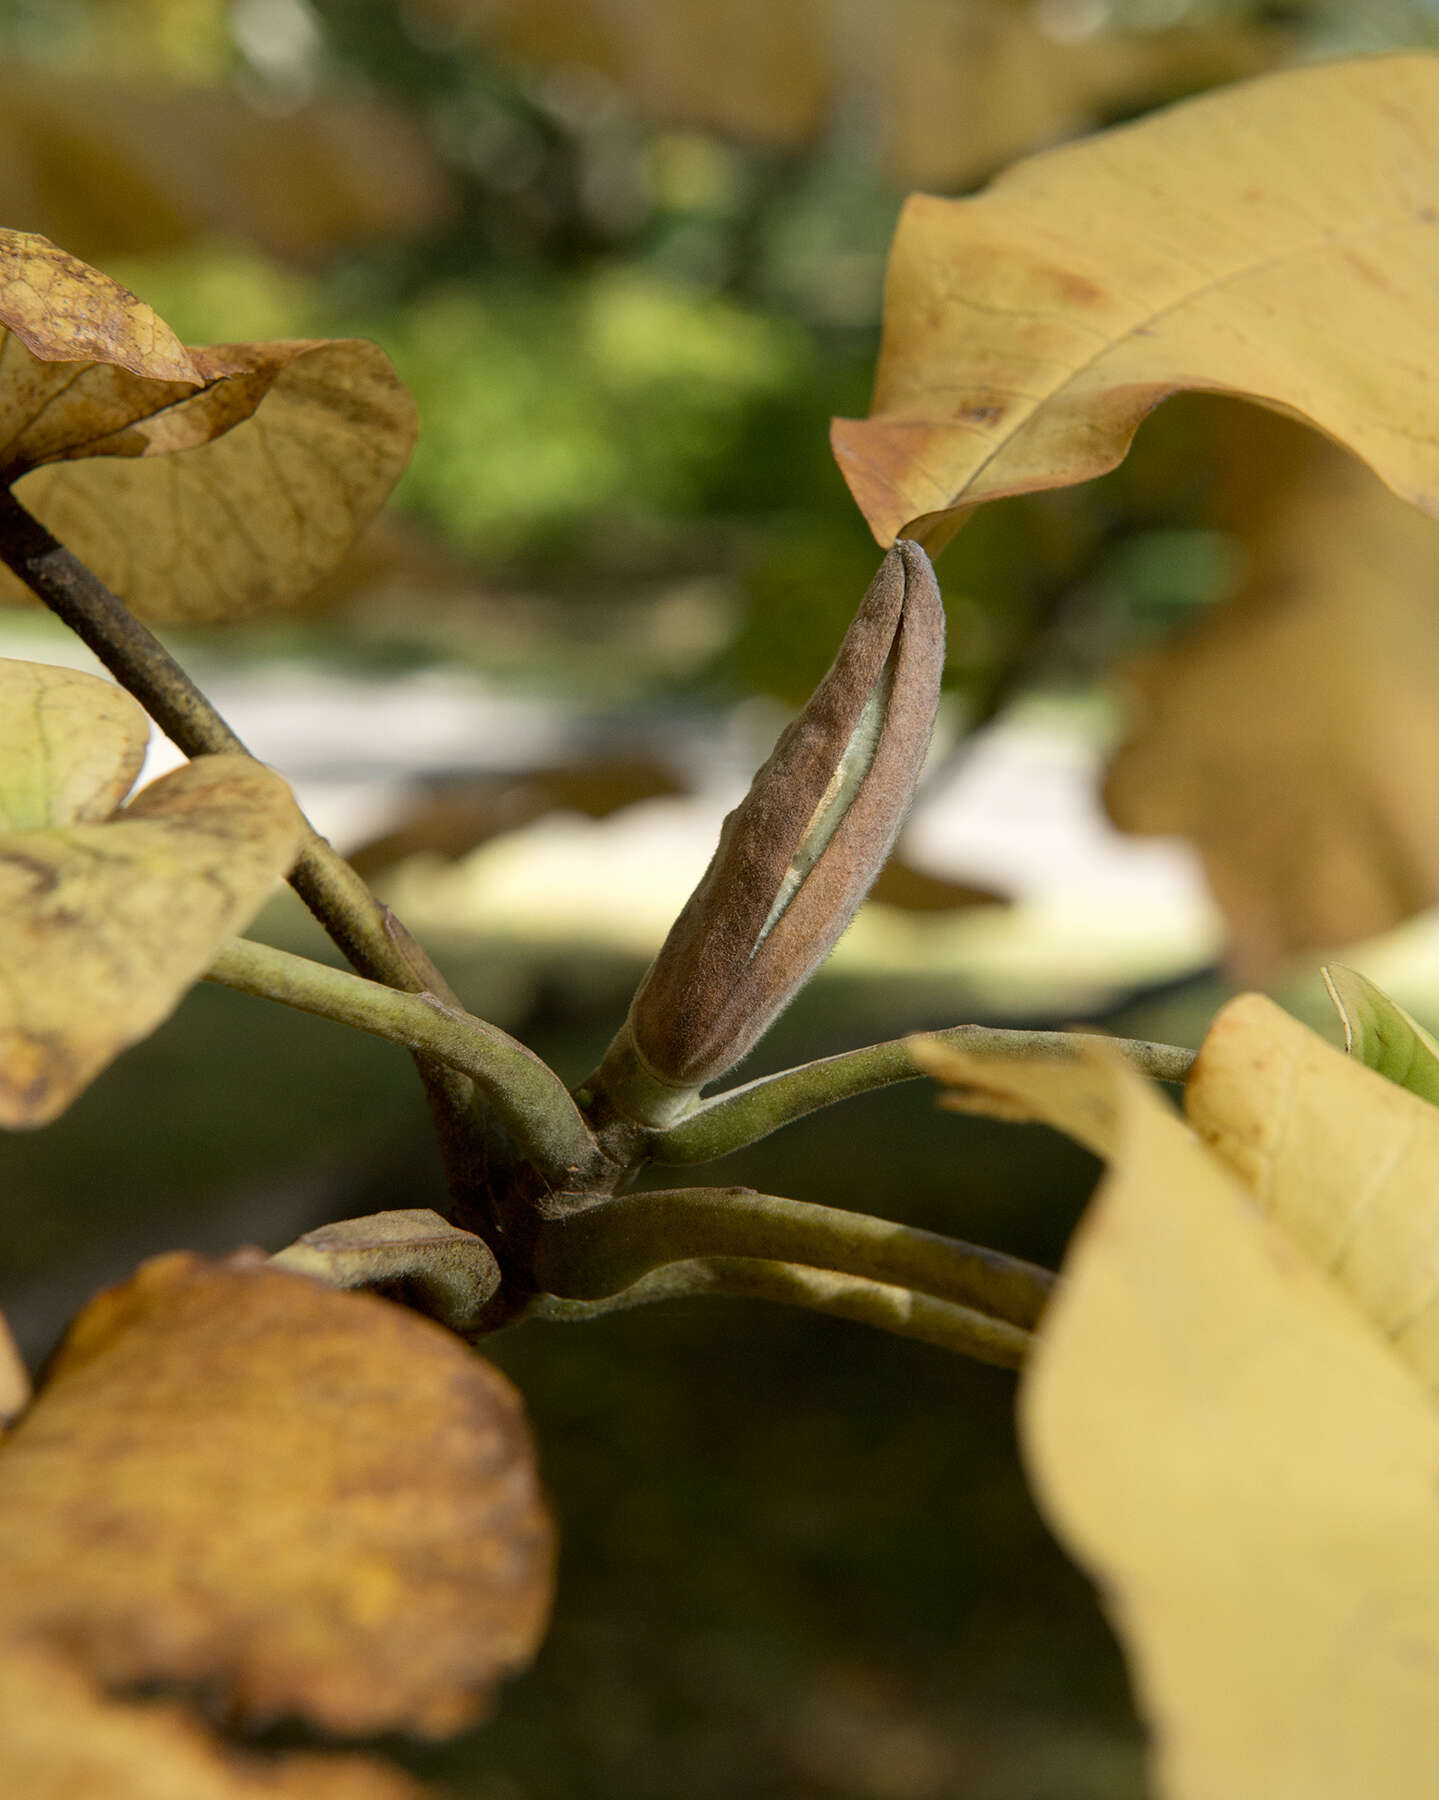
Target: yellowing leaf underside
[[71, 745], [104, 926], [1293, 736], [65, 311]]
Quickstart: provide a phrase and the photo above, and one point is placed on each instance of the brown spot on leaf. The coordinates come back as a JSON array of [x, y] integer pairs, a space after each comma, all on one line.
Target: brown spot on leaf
[[1077, 290]]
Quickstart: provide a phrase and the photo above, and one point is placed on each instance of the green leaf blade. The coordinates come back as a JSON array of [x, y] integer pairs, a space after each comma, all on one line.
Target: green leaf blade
[[1381, 1035]]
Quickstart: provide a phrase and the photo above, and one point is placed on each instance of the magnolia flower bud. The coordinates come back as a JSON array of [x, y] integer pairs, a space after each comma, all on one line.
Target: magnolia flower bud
[[795, 858]]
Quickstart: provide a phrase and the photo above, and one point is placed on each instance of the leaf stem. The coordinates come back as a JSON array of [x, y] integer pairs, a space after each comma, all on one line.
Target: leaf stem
[[528, 1098], [605, 1248], [745, 1114], [881, 1304], [141, 664], [322, 878]]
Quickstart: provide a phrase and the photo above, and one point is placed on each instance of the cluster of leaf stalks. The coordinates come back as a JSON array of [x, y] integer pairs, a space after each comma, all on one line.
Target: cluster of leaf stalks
[[538, 1220]]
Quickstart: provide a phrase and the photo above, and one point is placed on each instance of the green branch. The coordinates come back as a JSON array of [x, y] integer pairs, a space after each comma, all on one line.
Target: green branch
[[143, 666], [607, 1247], [745, 1114], [526, 1095], [889, 1308], [322, 878]]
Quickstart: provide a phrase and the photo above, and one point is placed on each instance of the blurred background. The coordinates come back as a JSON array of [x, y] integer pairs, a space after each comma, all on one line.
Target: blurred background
[[628, 256]]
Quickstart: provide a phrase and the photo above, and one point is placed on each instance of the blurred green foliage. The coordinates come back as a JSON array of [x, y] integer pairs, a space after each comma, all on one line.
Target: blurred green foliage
[[627, 341]]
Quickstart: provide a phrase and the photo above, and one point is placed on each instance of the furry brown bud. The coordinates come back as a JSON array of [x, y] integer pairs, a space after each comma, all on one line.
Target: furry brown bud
[[796, 857]]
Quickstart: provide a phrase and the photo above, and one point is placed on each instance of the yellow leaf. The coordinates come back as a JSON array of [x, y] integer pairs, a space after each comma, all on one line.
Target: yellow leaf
[[14, 1377], [1293, 737], [71, 746], [1072, 1100], [61, 310], [310, 1504], [1225, 1440], [1345, 1161], [198, 483], [62, 1739], [1276, 239], [104, 926]]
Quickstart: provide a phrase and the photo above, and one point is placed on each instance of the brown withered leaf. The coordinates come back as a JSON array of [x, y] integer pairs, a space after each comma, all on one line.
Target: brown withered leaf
[[63, 311], [198, 483], [1293, 737], [71, 746], [103, 926], [304, 1503], [62, 1739], [902, 885], [124, 168], [454, 817], [1235, 243]]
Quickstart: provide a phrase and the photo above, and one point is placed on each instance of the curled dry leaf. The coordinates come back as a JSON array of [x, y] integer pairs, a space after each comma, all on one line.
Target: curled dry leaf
[[1277, 239], [413, 1255], [1293, 737], [71, 746], [103, 926], [60, 310], [452, 817], [1230, 1440], [303, 1503], [274, 455], [799, 853]]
